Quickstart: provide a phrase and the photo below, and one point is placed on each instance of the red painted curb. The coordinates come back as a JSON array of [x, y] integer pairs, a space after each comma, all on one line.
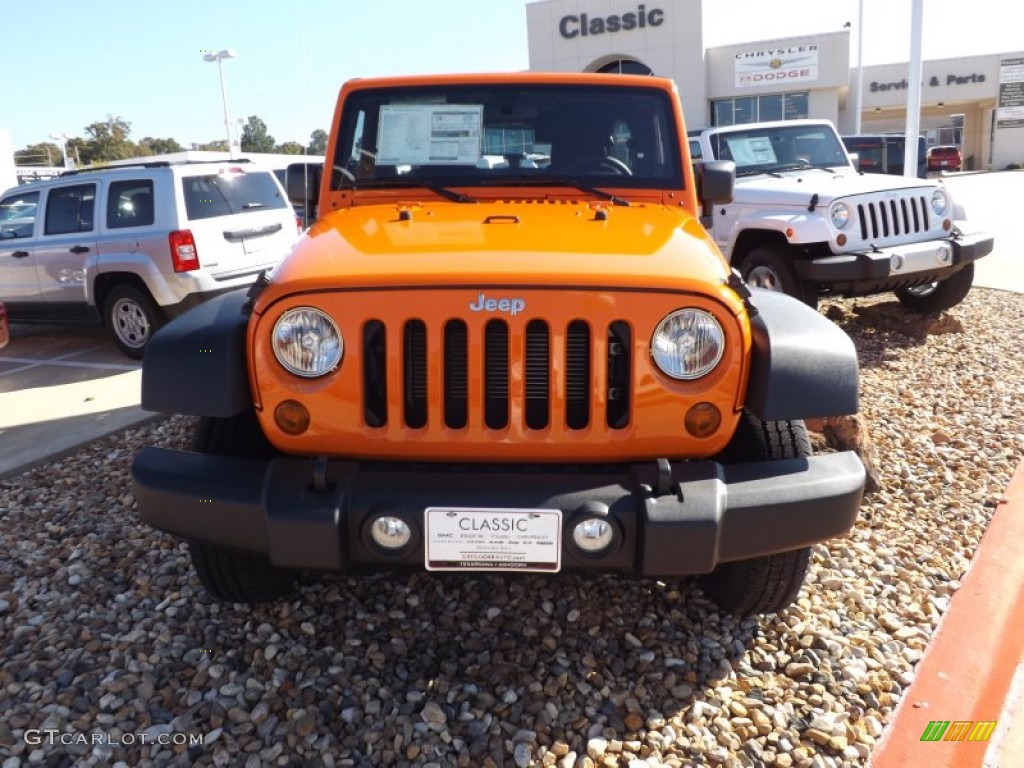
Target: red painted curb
[[966, 672]]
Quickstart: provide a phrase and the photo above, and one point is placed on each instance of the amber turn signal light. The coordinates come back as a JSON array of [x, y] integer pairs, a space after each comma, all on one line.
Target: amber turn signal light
[[702, 419], [291, 417]]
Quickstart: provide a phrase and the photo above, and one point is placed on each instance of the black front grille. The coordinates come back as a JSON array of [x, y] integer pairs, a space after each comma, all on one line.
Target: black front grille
[[414, 374], [537, 388], [540, 372], [907, 215], [496, 374], [577, 375], [375, 397], [456, 374], [620, 363]]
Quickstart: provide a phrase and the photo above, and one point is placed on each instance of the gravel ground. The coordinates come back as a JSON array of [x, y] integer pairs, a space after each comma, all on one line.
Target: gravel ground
[[106, 635]]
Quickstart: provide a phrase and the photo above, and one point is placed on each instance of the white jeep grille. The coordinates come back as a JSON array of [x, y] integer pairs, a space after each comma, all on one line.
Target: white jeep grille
[[896, 218]]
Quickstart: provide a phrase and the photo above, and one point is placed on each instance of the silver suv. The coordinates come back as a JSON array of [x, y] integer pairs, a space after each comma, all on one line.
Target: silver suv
[[132, 246]]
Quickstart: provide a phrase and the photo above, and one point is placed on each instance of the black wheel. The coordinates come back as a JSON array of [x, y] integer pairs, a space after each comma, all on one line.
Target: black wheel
[[940, 295], [232, 574], [132, 318], [769, 583], [767, 267]]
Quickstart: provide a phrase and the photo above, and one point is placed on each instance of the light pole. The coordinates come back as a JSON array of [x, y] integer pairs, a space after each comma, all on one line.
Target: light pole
[[858, 93], [227, 53], [63, 139]]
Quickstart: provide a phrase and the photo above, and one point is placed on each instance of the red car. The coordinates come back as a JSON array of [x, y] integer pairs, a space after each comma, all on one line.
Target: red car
[[944, 159], [5, 332]]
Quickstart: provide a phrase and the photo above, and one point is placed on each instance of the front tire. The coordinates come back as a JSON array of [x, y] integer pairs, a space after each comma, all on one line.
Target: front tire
[[769, 583], [769, 268], [132, 317], [939, 296], [229, 574]]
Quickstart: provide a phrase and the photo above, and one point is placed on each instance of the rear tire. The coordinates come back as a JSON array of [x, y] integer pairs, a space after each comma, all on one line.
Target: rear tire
[[132, 318], [943, 295], [230, 574], [767, 267], [769, 583]]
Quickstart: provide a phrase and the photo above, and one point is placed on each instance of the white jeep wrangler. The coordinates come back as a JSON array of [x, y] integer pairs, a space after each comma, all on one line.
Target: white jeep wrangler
[[805, 222]]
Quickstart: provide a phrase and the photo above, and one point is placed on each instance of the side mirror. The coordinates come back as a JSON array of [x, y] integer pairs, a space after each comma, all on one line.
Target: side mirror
[[304, 183], [717, 181], [855, 159]]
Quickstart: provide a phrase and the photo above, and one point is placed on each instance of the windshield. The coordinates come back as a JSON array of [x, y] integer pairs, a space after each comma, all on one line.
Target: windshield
[[496, 135], [780, 148]]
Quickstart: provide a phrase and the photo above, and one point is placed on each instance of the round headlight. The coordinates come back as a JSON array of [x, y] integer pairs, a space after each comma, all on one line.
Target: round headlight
[[840, 214], [307, 342], [688, 344], [939, 202]]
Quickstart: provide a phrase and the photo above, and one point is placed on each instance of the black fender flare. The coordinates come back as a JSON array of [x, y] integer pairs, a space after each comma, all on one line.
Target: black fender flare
[[196, 364], [803, 366]]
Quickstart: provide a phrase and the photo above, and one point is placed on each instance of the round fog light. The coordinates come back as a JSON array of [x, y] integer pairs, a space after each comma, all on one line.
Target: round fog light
[[593, 535], [390, 532], [897, 262], [292, 417]]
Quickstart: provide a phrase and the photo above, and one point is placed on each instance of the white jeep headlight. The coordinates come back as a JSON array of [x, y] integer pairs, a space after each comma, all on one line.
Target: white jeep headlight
[[688, 344], [940, 201], [840, 215], [307, 342]]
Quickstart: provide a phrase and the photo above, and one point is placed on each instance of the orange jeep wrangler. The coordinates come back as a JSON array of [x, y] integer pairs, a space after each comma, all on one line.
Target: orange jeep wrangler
[[506, 344]]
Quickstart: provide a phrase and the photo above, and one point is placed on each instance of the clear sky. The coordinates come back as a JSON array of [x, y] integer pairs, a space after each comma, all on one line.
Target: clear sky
[[68, 63]]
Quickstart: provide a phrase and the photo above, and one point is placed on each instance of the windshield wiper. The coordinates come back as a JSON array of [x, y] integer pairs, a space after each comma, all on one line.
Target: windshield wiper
[[433, 186], [551, 181], [250, 206]]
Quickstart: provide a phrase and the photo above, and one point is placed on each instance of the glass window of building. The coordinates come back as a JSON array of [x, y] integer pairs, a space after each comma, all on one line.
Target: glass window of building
[[769, 107], [626, 67], [721, 113], [795, 106], [744, 110], [759, 109]]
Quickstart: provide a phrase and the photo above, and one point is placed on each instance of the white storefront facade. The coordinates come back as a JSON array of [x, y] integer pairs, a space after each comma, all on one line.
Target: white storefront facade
[[975, 102]]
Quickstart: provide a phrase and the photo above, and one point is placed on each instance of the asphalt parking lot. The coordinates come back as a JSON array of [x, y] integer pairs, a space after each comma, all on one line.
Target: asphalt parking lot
[[60, 388]]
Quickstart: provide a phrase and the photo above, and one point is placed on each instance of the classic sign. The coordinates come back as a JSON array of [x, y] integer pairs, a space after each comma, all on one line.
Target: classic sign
[[583, 25]]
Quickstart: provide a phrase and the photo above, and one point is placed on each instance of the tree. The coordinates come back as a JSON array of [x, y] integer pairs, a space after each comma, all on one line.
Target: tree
[[161, 146], [255, 137], [290, 148], [108, 140], [217, 145], [43, 153], [318, 142]]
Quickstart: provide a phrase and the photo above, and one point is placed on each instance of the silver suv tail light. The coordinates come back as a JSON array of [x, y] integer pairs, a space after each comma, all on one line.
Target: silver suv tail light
[[184, 255]]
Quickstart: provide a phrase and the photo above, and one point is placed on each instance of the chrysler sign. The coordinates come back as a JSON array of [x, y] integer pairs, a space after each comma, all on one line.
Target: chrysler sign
[[777, 66]]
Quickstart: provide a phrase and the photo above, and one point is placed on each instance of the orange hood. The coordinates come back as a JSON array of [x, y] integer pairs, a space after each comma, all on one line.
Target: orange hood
[[532, 242]]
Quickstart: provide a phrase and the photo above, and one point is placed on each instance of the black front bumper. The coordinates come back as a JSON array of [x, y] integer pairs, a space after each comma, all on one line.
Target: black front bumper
[[873, 270], [669, 519]]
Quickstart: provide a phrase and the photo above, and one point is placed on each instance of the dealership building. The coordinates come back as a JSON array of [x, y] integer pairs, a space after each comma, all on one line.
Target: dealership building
[[974, 102]]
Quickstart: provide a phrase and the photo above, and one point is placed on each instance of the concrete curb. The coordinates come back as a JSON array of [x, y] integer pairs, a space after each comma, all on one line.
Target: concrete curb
[[970, 670]]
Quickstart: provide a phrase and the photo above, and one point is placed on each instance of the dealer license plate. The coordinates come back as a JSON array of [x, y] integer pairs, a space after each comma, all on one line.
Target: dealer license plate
[[474, 539]]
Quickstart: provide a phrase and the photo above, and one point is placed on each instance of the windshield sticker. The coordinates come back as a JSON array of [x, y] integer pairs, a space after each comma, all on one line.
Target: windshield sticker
[[430, 134], [752, 150]]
